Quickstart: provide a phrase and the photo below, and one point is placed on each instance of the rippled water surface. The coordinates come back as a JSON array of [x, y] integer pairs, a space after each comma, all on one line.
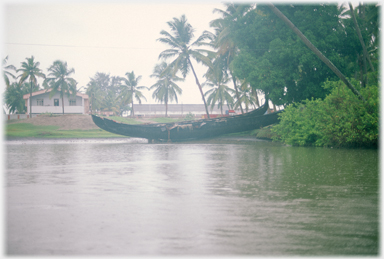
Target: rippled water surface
[[219, 197]]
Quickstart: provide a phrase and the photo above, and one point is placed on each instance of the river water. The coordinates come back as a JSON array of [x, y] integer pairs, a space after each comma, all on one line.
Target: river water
[[217, 197]]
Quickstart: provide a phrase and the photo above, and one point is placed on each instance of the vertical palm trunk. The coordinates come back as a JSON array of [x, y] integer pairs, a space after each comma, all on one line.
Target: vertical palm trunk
[[62, 101], [166, 103], [237, 92], [256, 97], [365, 52], [30, 101], [314, 49], [132, 111], [201, 90]]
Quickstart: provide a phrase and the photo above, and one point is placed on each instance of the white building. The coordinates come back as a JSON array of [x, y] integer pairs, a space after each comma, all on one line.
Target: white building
[[176, 110], [41, 103]]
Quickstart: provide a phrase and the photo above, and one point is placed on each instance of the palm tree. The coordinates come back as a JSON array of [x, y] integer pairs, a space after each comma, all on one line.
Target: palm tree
[[181, 47], [220, 94], [217, 79], [165, 88], [61, 81], [314, 49], [31, 70], [14, 97], [358, 31], [130, 90], [6, 73], [247, 96], [222, 39]]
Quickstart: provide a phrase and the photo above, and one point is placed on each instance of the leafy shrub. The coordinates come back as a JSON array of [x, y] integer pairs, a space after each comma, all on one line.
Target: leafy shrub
[[189, 117], [340, 120]]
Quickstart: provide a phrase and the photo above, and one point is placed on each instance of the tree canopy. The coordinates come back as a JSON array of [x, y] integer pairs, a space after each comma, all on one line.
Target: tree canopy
[[274, 59]]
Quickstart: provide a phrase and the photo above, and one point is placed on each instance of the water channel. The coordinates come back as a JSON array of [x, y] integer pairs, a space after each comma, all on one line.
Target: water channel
[[218, 197]]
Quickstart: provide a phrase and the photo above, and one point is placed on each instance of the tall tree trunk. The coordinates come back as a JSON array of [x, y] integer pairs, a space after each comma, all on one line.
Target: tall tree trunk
[[166, 102], [237, 91], [256, 97], [314, 49], [201, 90], [132, 111], [62, 101], [365, 52], [30, 101]]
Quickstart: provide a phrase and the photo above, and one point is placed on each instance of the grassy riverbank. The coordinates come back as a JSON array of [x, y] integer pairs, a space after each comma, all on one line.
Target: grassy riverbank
[[51, 129], [28, 130], [48, 127]]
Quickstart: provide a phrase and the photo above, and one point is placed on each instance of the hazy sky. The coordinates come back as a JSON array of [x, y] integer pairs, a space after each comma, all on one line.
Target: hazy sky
[[101, 37]]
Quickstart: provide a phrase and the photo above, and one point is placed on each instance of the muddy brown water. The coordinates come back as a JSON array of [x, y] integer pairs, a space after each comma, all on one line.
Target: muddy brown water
[[218, 197]]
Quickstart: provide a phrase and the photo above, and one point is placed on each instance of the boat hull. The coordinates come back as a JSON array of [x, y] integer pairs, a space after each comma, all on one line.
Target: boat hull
[[190, 130]]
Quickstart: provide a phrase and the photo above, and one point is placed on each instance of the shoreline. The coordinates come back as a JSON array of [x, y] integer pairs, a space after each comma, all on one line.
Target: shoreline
[[37, 140]]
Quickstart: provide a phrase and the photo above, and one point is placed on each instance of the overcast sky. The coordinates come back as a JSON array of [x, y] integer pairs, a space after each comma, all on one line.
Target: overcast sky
[[101, 37]]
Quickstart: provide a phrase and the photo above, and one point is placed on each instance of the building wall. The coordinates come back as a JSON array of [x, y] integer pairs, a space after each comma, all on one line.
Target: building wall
[[175, 109], [49, 104], [15, 116]]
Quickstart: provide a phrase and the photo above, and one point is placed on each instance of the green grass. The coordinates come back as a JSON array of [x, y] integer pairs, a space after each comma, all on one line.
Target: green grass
[[27, 130]]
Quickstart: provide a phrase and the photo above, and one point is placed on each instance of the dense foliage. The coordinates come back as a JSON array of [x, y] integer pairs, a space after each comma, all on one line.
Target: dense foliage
[[340, 120], [272, 58], [14, 97]]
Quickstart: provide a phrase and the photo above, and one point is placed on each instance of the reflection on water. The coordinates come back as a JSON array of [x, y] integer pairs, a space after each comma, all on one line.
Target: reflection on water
[[221, 197]]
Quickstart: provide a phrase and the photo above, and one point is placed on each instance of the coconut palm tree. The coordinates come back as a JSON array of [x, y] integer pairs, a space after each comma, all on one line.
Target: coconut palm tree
[[247, 96], [165, 89], [222, 40], [314, 49], [6, 73], [131, 90], [217, 79], [180, 40], [220, 94], [31, 70], [358, 31], [59, 80], [14, 97]]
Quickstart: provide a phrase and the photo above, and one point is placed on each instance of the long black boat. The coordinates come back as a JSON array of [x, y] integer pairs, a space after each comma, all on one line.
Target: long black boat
[[191, 130]]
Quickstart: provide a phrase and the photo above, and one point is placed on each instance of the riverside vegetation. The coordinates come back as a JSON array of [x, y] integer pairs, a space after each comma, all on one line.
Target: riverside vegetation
[[318, 61], [340, 120]]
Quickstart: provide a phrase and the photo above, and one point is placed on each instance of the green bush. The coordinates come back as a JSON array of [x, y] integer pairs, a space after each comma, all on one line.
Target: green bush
[[189, 117], [340, 120]]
